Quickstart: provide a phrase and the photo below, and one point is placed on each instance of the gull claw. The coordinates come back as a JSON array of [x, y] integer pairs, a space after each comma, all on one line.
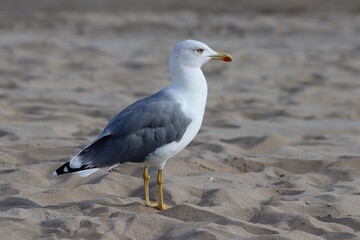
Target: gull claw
[[163, 207]]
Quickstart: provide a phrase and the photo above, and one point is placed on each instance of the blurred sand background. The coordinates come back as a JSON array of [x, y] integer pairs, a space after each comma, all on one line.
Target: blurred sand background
[[278, 156]]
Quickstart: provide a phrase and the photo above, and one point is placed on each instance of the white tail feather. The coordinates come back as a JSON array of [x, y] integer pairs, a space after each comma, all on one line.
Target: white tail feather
[[87, 172]]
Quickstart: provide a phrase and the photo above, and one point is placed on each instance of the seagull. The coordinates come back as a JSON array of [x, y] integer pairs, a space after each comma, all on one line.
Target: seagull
[[153, 129]]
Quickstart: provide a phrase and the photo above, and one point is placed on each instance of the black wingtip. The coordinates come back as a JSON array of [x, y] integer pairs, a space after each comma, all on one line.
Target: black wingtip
[[65, 168]]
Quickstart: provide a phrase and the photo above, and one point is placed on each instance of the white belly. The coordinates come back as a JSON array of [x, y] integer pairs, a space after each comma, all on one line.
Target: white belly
[[159, 157]]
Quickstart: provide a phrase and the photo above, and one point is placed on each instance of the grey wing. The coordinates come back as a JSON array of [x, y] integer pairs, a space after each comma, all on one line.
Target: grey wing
[[136, 132]]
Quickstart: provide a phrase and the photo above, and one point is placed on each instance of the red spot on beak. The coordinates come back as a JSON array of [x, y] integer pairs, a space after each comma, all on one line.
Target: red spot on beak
[[227, 59]]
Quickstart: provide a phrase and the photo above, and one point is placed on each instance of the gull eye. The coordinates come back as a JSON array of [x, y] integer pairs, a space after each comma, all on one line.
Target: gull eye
[[200, 50]]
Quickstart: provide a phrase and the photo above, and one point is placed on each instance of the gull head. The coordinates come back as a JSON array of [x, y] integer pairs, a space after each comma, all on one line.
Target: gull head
[[193, 54]]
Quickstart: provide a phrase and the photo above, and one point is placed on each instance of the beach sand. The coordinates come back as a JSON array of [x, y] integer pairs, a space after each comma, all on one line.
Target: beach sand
[[277, 157]]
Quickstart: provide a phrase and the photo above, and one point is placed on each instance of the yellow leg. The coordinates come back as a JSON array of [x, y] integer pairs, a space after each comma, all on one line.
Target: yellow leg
[[161, 205], [146, 186]]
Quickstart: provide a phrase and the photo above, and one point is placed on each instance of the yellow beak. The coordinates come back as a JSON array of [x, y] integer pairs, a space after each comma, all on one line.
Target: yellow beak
[[222, 56]]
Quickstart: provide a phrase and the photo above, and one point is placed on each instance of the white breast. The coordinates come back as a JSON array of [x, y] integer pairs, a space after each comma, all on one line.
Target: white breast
[[192, 98]]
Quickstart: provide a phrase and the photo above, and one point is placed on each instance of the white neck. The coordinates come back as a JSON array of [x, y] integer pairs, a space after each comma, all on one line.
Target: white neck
[[189, 87], [191, 81]]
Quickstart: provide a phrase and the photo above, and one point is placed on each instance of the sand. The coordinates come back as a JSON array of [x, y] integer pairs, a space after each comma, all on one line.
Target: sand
[[278, 156]]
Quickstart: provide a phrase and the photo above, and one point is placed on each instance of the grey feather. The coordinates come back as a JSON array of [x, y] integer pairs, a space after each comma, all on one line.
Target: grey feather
[[137, 131]]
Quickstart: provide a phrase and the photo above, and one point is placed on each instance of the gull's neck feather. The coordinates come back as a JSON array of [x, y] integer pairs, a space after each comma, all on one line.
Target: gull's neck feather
[[190, 79], [189, 87]]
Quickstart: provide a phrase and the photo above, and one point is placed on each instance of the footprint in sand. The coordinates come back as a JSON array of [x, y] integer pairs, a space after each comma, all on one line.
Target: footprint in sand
[[10, 136], [7, 190], [260, 144]]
